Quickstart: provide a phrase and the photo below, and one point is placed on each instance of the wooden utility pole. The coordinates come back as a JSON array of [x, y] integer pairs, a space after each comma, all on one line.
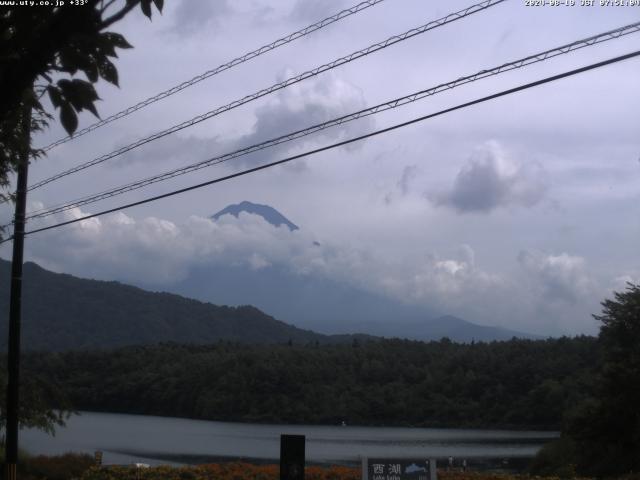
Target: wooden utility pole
[[15, 305]]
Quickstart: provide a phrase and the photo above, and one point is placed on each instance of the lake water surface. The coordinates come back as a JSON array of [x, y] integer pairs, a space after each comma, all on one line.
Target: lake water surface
[[126, 439]]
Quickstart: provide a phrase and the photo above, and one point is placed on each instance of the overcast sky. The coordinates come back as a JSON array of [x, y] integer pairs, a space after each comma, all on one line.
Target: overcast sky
[[523, 212]]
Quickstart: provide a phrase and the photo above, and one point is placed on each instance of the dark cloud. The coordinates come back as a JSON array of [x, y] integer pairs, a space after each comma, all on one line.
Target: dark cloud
[[408, 174], [490, 179], [303, 105], [174, 149], [403, 185], [295, 108]]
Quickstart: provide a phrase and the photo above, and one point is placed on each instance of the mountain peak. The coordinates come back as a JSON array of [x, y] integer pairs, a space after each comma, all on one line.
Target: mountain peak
[[270, 214]]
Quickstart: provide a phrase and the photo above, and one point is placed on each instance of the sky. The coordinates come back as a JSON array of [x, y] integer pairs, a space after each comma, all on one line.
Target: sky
[[522, 212]]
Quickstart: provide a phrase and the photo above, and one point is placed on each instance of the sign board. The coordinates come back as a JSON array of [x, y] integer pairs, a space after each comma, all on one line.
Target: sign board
[[292, 457], [398, 469]]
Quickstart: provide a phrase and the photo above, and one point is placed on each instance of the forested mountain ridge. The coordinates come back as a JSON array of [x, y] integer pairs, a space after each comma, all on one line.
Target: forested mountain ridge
[[514, 384], [63, 312]]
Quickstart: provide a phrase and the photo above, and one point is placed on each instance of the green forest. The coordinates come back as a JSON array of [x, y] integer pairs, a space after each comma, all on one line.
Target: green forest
[[519, 383]]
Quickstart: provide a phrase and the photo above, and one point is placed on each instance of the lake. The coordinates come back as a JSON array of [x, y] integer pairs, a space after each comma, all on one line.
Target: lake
[[126, 439]]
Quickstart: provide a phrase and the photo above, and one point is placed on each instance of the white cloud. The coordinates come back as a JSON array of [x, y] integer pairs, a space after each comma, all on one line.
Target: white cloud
[[452, 283], [160, 252], [560, 277], [157, 251]]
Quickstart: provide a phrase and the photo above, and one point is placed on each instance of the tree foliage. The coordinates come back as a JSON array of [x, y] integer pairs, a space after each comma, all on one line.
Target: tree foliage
[[520, 383], [38, 396], [606, 427], [42, 52]]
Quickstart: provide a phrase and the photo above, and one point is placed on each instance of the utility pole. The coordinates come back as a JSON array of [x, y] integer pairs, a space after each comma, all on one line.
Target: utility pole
[[15, 305]]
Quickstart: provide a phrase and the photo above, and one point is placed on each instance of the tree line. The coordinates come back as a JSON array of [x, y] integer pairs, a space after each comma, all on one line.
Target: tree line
[[515, 384]]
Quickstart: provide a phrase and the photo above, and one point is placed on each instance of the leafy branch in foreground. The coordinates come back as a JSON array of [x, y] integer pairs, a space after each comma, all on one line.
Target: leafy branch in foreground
[[41, 52], [44, 405]]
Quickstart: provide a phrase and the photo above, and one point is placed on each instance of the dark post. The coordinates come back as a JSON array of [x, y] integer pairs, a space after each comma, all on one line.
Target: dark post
[[292, 457], [13, 362]]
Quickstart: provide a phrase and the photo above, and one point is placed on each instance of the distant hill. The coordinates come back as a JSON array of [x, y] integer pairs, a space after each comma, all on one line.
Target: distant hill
[[270, 214], [308, 301], [454, 328], [63, 312]]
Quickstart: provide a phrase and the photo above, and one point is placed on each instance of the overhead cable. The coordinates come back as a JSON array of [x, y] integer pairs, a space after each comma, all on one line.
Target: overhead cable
[[220, 68], [278, 86], [391, 104], [344, 142]]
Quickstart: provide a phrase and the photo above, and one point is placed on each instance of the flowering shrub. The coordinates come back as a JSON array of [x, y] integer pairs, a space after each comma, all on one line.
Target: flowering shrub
[[61, 467], [216, 471], [456, 475], [246, 471]]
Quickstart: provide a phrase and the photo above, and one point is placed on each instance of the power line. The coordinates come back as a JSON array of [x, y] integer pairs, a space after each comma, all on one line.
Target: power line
[[391, 104], [220, 68], [278, 86], [345, 142]]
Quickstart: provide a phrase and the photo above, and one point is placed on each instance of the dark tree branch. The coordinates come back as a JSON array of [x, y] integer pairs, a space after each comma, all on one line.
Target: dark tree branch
[[104, 8], [117, 16]]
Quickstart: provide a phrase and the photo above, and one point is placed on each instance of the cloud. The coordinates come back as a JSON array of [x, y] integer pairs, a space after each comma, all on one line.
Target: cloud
[[191, 17], [408, 174], [452, 282], [173, 149], [307, 11], [492, 179], [547, 293], [157, 251], [302, 105], [299, 106], [562, 277], [621, 283], [403, 185], [154, 250]]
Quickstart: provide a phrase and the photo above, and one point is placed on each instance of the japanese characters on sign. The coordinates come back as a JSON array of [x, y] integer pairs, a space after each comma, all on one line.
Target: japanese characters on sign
[[398, 469]]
